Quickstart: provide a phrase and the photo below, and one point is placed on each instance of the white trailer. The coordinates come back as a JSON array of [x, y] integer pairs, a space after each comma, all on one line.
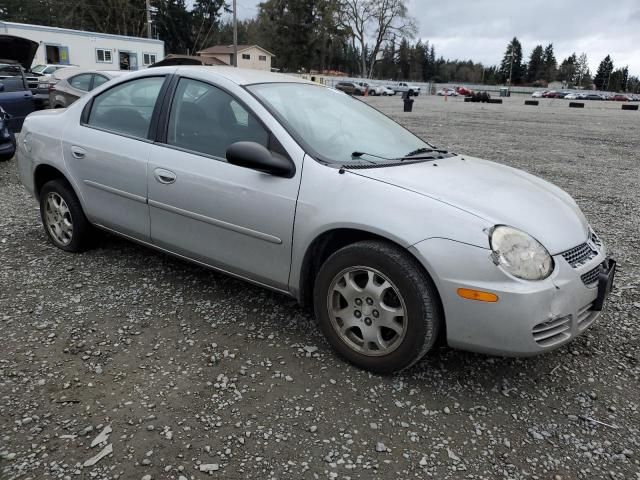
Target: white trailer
[[99, 51]]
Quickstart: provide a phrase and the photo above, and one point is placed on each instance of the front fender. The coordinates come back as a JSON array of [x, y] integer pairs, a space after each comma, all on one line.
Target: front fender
[[332, 199]]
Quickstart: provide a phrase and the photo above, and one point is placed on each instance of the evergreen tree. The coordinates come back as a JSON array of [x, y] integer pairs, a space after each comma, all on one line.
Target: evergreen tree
[[601, 80], [550, 64], [511, 66], [536, 64], [568, 69], [404, 59]]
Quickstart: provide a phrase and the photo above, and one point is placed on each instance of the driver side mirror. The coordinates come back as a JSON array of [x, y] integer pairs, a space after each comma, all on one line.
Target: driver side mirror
[[1, 87], [257, 157]]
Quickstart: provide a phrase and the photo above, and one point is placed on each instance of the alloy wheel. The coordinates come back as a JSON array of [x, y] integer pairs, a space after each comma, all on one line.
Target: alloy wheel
[[367, 311], [58, 219]]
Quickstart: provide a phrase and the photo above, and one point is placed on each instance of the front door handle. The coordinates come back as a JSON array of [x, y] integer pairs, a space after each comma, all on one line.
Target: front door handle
[[78, 152], [164, 176]]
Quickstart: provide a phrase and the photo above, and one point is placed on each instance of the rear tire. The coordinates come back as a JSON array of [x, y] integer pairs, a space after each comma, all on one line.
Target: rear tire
[[63, 218], [377, 306]]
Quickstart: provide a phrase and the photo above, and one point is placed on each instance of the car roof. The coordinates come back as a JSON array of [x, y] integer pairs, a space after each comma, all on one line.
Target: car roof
[[65, 73], [241, 76]]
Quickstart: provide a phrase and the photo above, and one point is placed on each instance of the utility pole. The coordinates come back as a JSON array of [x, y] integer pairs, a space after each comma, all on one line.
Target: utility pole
[[235, 35], [148, 18]]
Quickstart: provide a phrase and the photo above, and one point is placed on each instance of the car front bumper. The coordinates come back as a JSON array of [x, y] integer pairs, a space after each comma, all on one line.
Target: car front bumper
[[529, 318]]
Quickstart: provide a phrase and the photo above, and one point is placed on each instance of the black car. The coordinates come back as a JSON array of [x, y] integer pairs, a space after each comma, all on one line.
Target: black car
[[16, 55], [7, 138]]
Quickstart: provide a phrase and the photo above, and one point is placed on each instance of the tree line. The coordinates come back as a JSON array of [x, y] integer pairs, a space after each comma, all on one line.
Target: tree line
[[543, 68], [367, 38]]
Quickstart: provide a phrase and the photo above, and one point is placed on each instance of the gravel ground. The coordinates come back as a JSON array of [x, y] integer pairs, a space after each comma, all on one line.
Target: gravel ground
[[172, 371]]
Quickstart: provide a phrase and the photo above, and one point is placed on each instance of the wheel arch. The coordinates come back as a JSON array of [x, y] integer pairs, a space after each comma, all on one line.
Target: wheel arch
[[330, 241], [44, 173]]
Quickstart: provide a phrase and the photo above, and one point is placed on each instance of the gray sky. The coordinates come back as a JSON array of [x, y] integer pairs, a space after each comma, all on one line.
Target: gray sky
[[480, 29]]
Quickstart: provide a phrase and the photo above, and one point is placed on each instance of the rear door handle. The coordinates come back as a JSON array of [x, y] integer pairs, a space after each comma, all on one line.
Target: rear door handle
[[164, 176], [78, 152]]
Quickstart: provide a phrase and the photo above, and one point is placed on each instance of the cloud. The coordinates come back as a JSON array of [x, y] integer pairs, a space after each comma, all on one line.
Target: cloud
[[479, 30]]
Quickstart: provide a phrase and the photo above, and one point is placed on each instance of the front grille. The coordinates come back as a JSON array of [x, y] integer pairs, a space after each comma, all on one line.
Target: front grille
[[585, 317], [579, 255], [551, 332], [590, 279]]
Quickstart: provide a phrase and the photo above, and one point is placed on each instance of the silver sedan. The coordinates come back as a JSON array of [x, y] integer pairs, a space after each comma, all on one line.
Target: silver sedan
[[305, 190]]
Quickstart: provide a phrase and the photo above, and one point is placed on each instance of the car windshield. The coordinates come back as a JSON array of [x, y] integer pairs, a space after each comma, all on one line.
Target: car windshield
[[38, 68], [334, 125]]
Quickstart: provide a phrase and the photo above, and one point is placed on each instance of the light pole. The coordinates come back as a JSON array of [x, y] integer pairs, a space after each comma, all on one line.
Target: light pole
[[148, 4]]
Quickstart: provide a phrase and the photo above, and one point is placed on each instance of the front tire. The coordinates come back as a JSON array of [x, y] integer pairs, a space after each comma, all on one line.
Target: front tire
[[62, 217], [377, 307]]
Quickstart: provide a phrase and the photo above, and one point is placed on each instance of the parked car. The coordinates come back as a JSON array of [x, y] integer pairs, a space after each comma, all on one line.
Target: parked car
[[347, 87], [464, 91], [620, 98], [449, 92], [380, 90], [7, 138], [385, 91], [46, 80], [262, 176], [593, 96], [15, 95], [401, 87], [75, 83], [539, 94], [361, 88], [571, 96]]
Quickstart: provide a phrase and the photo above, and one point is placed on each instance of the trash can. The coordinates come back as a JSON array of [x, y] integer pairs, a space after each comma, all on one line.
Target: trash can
[[408, 104], [505, 92]]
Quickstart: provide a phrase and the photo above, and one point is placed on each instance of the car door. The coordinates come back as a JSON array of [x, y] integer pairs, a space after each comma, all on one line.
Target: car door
[[107, 155], [233, 218], [15, 96]]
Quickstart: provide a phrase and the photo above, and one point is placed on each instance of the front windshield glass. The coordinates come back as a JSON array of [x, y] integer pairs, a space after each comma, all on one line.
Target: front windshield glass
[[334, 125], [38, 68]]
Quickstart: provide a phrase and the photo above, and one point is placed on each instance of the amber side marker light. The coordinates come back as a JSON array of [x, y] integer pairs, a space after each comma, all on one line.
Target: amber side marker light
[[479, 295]]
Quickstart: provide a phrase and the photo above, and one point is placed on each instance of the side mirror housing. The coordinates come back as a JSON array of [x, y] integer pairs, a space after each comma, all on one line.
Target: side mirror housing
[[1, 87], [257, 157]]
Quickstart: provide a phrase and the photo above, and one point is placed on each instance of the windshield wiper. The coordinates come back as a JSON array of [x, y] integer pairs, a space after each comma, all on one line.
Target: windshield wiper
[[361, 154], [422, 150]]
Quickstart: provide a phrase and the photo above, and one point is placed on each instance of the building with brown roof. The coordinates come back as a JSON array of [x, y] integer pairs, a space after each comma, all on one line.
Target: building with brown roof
[[249, 56]]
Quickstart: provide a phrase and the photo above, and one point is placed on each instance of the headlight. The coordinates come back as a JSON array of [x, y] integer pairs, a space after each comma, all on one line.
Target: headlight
[[520, 254]]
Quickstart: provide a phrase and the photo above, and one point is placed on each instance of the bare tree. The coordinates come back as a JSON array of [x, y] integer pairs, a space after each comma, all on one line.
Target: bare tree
[[375, 21]]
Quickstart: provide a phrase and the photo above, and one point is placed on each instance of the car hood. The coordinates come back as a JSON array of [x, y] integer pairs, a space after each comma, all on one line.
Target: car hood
[[499, 194], [17, 49]]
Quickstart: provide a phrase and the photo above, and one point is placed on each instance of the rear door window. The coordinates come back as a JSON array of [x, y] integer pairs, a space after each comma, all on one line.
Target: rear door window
[[81, 82], [127, 108], [99, 80]]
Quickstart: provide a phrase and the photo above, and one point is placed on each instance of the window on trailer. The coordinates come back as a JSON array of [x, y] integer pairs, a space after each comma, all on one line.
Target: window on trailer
[[246, 56], [148, 58], [103, 55]]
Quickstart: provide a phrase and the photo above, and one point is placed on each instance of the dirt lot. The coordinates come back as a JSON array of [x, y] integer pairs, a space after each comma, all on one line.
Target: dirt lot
[[197, 374]]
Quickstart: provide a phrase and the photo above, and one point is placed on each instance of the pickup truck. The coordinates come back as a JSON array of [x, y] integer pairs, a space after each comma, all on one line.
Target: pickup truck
[[402, 87]]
